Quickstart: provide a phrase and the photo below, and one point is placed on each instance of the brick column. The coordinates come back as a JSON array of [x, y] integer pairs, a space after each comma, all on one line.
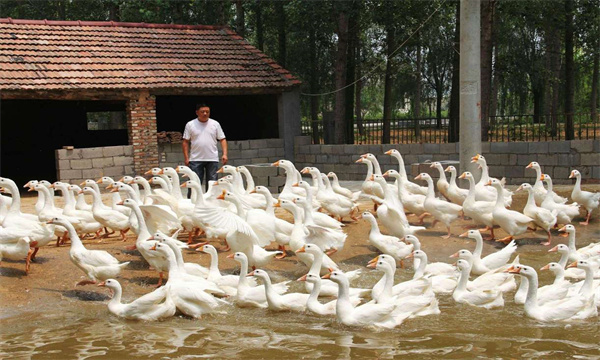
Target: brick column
[[141, 128]]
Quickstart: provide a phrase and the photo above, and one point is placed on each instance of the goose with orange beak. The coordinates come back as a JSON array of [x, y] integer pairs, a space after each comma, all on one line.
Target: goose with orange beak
[[587, 199], [566, 212], [443, 211], [512, 222], [561, 310], [539, 192], [543, 218], [407, 184]]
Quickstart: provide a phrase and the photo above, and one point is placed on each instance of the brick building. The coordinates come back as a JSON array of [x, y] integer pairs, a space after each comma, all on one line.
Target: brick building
[[114, 85]]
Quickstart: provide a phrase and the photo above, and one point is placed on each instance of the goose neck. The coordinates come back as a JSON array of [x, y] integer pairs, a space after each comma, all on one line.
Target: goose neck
[[421, 268], [531, 300], [463, 279]]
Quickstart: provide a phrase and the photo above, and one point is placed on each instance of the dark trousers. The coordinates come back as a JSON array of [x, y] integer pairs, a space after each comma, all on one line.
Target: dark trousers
[[205, 167]]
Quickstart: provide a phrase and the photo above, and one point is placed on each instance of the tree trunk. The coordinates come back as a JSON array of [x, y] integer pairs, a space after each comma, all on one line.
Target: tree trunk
[[240, 21], [387, 92], [260, 37], [314, 100], [350, 74], [281, 34], [114, 13], [454, 126], [487, 25], [439, 92], [417, 96], [494, 94], [594, 100], [339, 118], [358, 95], [569, 72]]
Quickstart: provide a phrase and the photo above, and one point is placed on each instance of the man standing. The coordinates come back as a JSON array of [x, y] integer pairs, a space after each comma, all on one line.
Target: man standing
[[204, 133]]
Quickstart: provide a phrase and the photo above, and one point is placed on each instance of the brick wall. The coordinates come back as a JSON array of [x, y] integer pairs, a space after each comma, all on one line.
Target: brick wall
[[74, 166], [508, 160], [257, 155], [141, 127]]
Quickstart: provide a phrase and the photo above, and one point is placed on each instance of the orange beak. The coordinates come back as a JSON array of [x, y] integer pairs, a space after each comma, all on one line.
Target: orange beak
[[149, 172], [326, 276], [542, 177], [359, 160], [509, 269], [563, 229], [514, 270], [303, 278], [220, 171], [372, 178], [153, 247], [222, 196], [572, 265], [114, 189], [301, 250], [389, 152], [102, 283], [251, 274], [276, 163], [489, 183], [80, 192], [475, 158], [545, 267], [418, 177], [120, 203], [554, 249], [410, 256], [372, 266], [462, 176], [277, 204], [373, 261], [455, 255], [465, 234], [184, 185], [295, 184]]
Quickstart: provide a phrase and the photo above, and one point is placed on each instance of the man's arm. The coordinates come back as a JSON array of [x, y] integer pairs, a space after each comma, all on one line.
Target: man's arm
[[185, 145], [224, 147]]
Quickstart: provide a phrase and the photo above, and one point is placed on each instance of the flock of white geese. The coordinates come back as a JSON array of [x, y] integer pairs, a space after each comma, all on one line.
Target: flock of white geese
[[243, 215]]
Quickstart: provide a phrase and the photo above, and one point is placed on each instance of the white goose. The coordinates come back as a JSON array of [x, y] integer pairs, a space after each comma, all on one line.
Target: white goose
[[387, 244], [455, 194], [368, 186], [542, 217], [248, 295], [482, 191], [565, 254], [215, 275], [487, 299], [443, 211], [367, 315], [319, 218], [408, 306], [496, 280], [588, 200], [479, 211], [277, 302], [328, 288], [335, 204], [539, 191], [283, 229], [39, 234], [436, 268], [106, 216], [560, 310], [512, 222], [289, 192], [414, 287], [313, 304], [410, 186], [189, 298], [411, 202], [335, 185], [150, 307], [18, 250], [98, 265], [440, 284], [176, 245], [442, 183], [566, 212], [492, 261]]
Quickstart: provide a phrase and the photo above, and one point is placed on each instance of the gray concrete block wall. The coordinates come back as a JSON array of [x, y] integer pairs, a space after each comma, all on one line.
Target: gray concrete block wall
[[508, 160], [74, 166]]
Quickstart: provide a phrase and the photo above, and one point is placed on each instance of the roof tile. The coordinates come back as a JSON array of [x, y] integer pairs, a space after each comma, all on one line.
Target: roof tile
[[47, 55]]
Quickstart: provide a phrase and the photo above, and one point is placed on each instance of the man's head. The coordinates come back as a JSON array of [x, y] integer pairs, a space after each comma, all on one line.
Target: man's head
[[203, 112]]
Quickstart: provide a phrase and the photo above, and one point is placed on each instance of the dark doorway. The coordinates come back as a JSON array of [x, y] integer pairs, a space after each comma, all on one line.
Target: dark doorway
[[242, 117], [33, 129]]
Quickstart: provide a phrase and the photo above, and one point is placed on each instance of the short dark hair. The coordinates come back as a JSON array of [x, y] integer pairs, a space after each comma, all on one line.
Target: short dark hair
[[201, 105]]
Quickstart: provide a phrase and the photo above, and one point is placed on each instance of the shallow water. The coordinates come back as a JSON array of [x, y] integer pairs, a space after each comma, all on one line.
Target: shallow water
[[85, 329]]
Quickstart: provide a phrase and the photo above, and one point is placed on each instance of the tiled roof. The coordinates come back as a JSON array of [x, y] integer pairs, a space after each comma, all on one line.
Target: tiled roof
[[71, 55]]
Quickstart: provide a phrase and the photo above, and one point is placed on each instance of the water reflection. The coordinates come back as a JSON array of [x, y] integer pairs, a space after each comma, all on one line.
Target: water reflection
[[81, 329]]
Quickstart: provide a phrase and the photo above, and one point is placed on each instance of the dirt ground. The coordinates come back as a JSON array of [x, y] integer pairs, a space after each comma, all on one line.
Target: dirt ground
[[53, 276]]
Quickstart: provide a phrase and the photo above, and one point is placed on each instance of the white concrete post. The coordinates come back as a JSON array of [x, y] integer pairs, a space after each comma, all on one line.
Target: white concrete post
[[470, 85]]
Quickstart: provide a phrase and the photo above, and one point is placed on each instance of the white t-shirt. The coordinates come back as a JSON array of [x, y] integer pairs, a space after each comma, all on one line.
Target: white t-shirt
[[204, 138]]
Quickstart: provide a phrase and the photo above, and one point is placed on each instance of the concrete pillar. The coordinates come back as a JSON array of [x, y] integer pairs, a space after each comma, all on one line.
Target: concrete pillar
[[470, 85], [141, 128], [288, 104]]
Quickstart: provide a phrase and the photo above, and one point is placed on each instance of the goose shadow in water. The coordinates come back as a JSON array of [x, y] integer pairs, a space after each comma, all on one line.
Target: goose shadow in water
[[137, 265], [82, 295], [360, 260], [146, 280]]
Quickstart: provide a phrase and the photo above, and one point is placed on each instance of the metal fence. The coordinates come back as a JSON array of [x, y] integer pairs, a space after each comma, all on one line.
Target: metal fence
[[431, 130]]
